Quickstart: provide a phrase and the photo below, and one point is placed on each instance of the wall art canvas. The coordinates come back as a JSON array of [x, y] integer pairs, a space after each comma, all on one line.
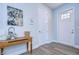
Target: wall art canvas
[[15, 16]]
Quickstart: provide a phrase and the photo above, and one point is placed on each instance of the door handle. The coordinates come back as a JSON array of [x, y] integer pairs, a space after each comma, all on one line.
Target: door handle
[[72, 31]]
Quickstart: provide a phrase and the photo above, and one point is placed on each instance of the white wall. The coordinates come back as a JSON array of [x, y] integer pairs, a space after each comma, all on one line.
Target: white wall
[[39, 13]]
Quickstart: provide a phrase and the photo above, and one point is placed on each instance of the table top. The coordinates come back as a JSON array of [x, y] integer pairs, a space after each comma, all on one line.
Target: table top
[[17, 39]]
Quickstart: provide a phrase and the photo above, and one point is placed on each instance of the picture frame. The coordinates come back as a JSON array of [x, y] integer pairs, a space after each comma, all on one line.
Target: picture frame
[[15, 16]]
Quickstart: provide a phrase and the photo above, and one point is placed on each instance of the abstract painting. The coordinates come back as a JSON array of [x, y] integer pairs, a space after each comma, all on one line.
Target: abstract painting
[[15, 16]]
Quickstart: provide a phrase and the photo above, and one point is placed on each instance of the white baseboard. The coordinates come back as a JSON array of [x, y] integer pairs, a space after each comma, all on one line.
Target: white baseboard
[[42, 43], [76, 46]]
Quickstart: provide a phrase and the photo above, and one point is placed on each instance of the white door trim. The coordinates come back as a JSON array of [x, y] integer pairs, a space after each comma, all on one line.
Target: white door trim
[[58, 39]]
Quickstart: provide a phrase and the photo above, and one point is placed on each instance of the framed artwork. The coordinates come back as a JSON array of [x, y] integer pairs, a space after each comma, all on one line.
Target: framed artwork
[[15, 16]]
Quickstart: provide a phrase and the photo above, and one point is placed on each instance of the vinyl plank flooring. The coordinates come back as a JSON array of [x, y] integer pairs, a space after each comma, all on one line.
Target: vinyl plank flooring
[[54, 49]]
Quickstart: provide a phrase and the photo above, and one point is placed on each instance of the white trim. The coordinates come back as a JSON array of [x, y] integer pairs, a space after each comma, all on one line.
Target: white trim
[[67, 44], [76, 46], [74, 23]]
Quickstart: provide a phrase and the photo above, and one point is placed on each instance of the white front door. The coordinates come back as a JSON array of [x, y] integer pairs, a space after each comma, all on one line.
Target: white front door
[[66, 27]]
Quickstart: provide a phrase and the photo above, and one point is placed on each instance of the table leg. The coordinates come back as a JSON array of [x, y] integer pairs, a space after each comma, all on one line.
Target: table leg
[[2, 49], [27, 47], [30, 48]]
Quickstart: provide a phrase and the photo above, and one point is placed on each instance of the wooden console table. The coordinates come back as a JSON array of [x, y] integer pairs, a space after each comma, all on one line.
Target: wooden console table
[[20, 40]]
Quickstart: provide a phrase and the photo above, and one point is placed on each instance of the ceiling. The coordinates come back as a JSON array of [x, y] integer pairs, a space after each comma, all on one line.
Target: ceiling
[[53, 5]]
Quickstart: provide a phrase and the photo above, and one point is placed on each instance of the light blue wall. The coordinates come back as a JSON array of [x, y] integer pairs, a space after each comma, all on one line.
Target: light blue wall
[[63, 7], [33, 11], [29, 12], [54, 26], [77, 25]]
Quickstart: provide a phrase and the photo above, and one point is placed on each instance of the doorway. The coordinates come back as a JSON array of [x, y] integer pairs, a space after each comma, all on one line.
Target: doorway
[[66, 27]]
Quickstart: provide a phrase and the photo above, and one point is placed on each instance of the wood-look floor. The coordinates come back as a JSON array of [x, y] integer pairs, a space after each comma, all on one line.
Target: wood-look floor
[[54, 49]]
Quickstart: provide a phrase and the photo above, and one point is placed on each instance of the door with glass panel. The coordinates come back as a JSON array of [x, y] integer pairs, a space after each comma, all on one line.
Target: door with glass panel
[[66, 27]]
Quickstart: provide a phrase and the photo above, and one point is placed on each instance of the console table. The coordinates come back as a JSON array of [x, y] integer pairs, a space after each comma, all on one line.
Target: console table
[[20, 40]]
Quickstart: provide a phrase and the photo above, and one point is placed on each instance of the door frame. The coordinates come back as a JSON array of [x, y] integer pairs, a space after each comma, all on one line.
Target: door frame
[[58, 33]]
